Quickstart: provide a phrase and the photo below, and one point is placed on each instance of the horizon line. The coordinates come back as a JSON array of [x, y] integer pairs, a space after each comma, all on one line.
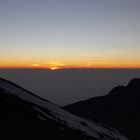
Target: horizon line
[[35, 68]]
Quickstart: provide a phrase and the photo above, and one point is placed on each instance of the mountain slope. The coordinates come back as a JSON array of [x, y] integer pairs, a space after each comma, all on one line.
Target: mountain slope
[[27, 116], [120, 109]]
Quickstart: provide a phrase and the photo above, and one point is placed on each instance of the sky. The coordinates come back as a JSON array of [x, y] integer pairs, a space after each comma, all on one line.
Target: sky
[[70, 34]]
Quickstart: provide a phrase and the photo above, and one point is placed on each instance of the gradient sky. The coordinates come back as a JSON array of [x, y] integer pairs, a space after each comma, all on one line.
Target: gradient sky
[[70, 33]]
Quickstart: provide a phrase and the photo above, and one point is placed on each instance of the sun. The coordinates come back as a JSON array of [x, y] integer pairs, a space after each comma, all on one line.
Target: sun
[[54, 68]]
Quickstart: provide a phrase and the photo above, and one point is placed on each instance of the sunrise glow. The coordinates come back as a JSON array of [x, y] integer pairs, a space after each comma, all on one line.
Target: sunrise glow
[[74, 64], [35, 65], [95, 34]]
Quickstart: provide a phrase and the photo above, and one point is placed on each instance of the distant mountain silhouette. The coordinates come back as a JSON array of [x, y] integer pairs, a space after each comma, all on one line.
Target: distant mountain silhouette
[[120, 109], [26, 116]]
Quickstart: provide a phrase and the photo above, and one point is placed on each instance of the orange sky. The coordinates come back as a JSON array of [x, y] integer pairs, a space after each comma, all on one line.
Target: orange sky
[[78, 64]]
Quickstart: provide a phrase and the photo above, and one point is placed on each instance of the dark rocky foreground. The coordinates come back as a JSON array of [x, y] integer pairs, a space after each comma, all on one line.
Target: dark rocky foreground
[[23, 115], [119, 109]]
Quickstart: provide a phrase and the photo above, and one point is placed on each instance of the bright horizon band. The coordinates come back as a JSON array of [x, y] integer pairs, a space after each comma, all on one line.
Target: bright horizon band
[[59, 65]]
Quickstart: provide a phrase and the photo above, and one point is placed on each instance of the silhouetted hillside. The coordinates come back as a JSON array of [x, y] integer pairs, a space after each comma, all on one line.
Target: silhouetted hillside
[[25, 116], [120, 109]]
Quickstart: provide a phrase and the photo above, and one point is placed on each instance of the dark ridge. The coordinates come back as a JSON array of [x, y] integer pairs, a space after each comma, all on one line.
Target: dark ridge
[[116, 90], [119, 109], [134, 83]]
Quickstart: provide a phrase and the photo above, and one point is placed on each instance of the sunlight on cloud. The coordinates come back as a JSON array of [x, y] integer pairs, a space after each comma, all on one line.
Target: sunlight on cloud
[[35, 65]]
